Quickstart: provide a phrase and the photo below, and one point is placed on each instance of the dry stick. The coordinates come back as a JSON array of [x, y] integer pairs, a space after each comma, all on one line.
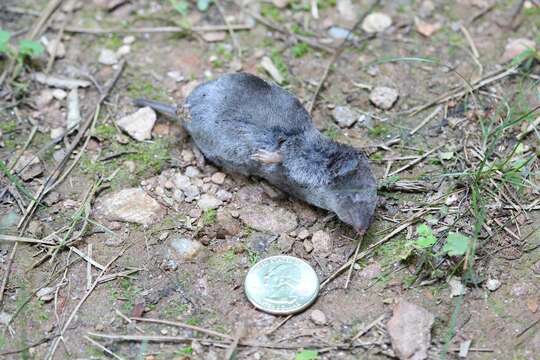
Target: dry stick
[[54, 346], [59, 37], [354, 261], [414, 162], [185, 326], [475, 54], [88, 267], [365, 329], [153, 30], [428, 118], [94, 342], [159, 338], [229, 28], [338, 52], [460, 91], [13, 238], [129, 321]]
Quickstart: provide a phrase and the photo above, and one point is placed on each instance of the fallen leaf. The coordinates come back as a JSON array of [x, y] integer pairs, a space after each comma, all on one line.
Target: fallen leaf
[[426, 29], [532, 304]]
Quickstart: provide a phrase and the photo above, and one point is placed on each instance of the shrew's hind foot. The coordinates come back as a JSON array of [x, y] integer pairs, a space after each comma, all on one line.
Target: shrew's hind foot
[[267, 157]]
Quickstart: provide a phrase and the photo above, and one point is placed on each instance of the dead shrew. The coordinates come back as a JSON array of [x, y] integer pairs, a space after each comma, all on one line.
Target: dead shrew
[[249, 126]]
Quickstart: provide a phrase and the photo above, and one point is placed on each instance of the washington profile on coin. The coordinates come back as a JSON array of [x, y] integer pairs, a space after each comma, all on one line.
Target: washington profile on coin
[[281, 285]]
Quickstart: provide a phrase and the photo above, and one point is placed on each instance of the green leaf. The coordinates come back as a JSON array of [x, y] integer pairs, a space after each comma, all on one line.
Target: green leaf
[[4, 40], [203, 5], [523, 56], [426, 239], [456, 244], [182, 6], [306, 355], [30, 48]]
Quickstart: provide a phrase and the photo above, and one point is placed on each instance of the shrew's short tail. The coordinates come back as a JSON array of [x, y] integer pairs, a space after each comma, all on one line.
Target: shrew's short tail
[[169, 110]]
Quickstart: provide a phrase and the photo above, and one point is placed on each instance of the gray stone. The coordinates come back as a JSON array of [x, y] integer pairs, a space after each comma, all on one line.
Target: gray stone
[[308, 245], [303, 234], [259, 242], [322, 243], [371, 271], [182, 182], [223, 195], [337, 32], [285, 242], [344, 116], [186, 248], [383, 97], [191, 192], [208, 202], [139, 124], [130, 205], [192, 171], [268, 219], [410, 331]]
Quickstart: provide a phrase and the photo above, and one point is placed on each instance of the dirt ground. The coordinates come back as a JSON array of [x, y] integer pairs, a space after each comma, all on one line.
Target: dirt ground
[[472, 169]]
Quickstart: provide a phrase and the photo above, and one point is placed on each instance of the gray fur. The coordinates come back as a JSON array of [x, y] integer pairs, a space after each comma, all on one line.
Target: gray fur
[[237, 115]]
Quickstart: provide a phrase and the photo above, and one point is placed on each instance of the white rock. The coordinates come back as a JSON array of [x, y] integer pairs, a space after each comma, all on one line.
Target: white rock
[[139, 124], [318, 317], [218, 178], [344, 116], [128, 40], [268, 219], [383, 97], [59, 94], [181, 181], [214, 36], [74, 109], [192, 192], [130, 205], [303, 234], [493, 284], [176, 76], [456, 287], [45, 294], [57, 132], [107, 57], [376, 22], [123, 50], [207, 202], [186, 248]]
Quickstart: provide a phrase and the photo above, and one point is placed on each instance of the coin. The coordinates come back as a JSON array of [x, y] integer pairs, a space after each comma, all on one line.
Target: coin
[[281, 285]]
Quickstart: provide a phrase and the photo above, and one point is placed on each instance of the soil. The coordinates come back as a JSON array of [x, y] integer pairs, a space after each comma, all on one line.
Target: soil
[[206, 289]]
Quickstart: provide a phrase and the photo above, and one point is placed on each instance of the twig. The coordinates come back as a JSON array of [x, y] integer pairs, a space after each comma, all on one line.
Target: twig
[[153, 30], [528, 327], [37, 343], [229, 28], [103, 348], [414, 162], [337, 54], [365, 329], [280, 324], [54, 346], [88, 267], [129, 321], [185, 326], [428, 118], [532, 127], [13, 238], [474, 50], [354, 261]]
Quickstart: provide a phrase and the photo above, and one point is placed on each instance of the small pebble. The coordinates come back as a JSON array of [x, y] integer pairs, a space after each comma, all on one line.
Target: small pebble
[[303, 234], [493, 284], [318, 317], [218, 178], [107, 57], [128, 40], [192, 171]]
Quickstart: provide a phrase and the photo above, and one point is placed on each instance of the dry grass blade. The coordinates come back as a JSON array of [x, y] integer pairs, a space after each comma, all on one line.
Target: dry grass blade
[[156, 30], [354, 261], [94, 342], [13, 238], [414, 162], [185, 326]]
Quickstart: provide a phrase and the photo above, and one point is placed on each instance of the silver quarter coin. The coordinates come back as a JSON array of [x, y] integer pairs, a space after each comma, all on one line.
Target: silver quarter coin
[[281, 285]]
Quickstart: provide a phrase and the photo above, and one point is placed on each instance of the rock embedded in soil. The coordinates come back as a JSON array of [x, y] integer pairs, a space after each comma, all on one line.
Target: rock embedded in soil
[[130, 205], [28, 166], [208, 202], [344, 116], [322, 243], [139, 124], [268, 219], [259, 242], [285, 242], [214, 36], [493, 284], [107, 57], [383, 97], [303, 234], [376, 22], [410, 331], [318, 317], [218, 178], [186, 248], [371, 271]]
